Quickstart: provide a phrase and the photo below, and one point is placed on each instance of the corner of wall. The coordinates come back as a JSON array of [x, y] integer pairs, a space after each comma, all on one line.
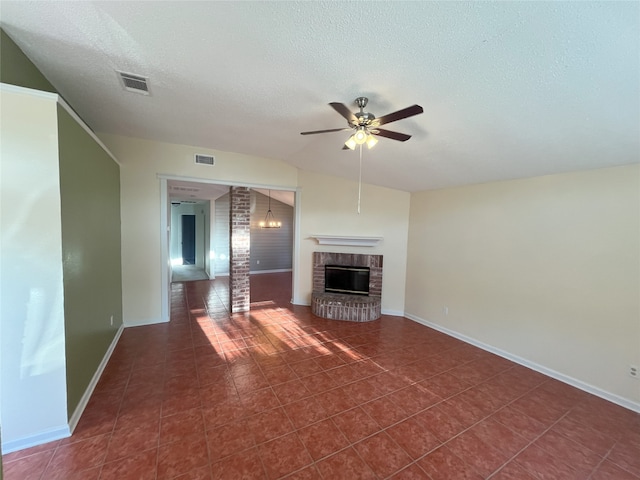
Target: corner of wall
[[17, 69], [75, 416]]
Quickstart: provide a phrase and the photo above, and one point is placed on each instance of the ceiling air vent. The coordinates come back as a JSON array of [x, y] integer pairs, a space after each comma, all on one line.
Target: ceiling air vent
[[205, 159], [134, 83]]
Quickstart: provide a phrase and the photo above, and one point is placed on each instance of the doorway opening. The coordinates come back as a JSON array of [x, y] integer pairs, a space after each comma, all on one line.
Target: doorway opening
[[271, 252], [188, 240]]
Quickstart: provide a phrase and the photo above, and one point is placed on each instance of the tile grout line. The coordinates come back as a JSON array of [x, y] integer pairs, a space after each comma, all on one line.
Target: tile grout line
[[380, 357]]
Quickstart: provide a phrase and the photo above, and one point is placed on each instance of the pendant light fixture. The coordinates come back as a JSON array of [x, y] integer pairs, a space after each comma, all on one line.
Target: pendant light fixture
[[269, 220]]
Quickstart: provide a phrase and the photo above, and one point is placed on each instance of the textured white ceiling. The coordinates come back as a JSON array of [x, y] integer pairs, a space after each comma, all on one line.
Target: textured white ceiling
[[509, 89]]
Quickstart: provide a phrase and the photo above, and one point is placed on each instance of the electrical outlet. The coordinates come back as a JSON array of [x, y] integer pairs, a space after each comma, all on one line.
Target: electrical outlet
[[445, 310], [257, 262], [634, 371], [111, 320]]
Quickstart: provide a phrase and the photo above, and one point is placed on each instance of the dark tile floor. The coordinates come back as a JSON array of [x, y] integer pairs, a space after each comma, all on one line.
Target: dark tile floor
[[280, 393]]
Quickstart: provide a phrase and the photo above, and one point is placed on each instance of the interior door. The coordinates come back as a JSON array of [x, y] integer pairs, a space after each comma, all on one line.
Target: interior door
[[188, 239]]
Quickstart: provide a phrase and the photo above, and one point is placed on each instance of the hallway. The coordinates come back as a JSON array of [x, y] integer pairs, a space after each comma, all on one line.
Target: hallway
[[187, 273]]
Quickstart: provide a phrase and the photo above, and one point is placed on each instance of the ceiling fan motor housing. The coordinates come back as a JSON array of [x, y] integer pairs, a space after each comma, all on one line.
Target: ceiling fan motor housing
[[364, 119], [361, 102]]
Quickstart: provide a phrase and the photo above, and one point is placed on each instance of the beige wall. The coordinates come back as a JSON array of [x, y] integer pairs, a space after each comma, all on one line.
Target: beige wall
[[545, 269], [141, 163], [328, 206]]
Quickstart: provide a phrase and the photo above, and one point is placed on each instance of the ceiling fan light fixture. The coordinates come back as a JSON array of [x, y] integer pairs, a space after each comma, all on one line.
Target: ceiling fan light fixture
[[360, 136], [371, 141], [351, 143]]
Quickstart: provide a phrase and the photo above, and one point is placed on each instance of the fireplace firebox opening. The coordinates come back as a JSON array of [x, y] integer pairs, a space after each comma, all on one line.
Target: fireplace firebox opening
[[346, 279]]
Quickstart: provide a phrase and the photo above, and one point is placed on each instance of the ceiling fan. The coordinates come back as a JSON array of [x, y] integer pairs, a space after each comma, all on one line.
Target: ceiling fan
[[366, 126]]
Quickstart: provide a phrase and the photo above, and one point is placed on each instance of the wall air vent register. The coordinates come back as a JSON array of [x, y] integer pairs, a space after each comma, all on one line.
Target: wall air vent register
[[134, 83], [205, 159]]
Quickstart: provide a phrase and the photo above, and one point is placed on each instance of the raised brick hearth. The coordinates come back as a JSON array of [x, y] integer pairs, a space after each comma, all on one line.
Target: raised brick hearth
[[354, 308]]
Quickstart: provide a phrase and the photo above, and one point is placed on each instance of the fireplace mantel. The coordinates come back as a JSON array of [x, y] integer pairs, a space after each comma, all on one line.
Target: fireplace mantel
[[347, 240]]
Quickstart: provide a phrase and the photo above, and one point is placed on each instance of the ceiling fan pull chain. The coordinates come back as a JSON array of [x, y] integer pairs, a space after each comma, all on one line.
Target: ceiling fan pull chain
[[360, 180]]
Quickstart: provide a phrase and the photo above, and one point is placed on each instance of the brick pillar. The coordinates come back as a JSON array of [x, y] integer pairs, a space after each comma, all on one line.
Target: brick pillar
[[240, 249]]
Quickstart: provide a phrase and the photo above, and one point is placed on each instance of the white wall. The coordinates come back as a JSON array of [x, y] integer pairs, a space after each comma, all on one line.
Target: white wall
[[175, 234], [141, 162], [221, 239], [33, 379], [206, 235], [199, 212], [545, 269], [328, 206]]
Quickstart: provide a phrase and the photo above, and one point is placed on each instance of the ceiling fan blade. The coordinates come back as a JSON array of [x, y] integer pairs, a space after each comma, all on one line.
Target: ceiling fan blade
[[324, 131], [401, 137], [343, 110], [399, 115]]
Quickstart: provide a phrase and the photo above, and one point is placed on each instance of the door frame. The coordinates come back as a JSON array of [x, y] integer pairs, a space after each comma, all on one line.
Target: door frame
[[165, 232]]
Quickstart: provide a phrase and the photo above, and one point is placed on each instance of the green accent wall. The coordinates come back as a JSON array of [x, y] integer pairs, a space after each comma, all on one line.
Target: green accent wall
[[17, 69], [92, 277]]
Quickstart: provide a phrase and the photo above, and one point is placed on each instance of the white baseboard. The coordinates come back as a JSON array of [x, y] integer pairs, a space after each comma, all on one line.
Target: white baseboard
[[46, 436], [141, 323], [612, 397], [73, 420], [50, 435], [258, 272]]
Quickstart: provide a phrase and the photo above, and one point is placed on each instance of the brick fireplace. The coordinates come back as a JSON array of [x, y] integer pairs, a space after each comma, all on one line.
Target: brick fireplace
[[355, 308]]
